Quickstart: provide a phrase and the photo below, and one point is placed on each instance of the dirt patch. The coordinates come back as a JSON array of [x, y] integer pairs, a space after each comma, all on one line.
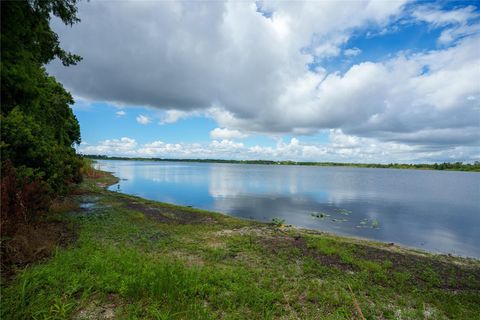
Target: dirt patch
[[448, 275], [247, 231], [298, 245], [215, 243], [32, 243], [96, 310], [170, 214]]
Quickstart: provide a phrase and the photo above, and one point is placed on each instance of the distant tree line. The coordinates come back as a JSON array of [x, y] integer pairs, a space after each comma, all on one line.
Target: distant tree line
[[38, 127], [454, 166]]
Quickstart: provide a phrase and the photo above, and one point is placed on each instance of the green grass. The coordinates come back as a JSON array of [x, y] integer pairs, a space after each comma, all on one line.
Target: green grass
[[129, 263]]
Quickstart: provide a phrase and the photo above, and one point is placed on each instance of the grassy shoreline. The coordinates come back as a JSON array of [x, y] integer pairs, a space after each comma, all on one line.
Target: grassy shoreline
[[141, 259]]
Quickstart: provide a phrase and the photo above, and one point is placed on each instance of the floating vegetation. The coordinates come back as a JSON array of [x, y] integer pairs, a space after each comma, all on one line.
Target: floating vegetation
[[320, 215], [278, 222], [367, 223], [342, 211], [323, 215]]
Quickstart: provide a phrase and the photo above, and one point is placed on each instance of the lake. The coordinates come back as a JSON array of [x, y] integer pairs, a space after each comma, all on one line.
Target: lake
[[437, 211]]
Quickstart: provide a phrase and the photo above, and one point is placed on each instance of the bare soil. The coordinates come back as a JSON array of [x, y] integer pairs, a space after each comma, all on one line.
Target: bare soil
[[32, 243]]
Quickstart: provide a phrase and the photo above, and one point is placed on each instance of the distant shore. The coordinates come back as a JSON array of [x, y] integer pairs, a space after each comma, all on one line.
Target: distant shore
[[445, 166]]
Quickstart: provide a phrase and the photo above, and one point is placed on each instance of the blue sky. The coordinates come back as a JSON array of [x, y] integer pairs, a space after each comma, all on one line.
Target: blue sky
[[374, 81]]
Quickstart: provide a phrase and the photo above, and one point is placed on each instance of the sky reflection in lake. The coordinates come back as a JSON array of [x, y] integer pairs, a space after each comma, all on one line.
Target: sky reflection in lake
[[432, 210]]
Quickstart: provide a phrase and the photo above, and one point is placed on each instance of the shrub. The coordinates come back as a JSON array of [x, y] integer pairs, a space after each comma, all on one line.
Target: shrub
[[23, 198]]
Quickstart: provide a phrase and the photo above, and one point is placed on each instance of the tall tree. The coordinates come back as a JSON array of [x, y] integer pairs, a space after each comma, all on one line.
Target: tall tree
[[38, 127]]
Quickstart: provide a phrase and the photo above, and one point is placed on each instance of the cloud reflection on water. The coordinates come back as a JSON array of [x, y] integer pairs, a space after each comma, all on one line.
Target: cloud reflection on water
[[432, 210]]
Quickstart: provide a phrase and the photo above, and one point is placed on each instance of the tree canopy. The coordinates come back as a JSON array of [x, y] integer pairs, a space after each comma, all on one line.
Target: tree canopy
[[38, 127]]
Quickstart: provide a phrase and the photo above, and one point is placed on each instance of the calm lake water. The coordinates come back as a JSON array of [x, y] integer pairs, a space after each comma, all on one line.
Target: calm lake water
[[437, 211]]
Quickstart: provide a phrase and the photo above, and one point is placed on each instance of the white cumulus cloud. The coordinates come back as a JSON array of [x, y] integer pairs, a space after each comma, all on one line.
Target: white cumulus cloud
[[172, 116], [252, 72], [143, 119], [341, 147], [123, 146], [352, 52], [457, 20], [224, 133]]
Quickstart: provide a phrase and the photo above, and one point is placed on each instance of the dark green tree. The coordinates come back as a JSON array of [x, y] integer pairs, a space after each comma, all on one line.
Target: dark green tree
[[38, 127]]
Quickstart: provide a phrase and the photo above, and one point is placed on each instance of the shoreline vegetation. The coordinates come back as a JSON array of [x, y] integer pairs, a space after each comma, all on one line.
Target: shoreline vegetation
[[132, 258], [447, 166]]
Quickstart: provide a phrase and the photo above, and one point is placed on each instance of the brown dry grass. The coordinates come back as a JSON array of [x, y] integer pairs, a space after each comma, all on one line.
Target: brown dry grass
[[91, 173], [33, 242], [61, 205]]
